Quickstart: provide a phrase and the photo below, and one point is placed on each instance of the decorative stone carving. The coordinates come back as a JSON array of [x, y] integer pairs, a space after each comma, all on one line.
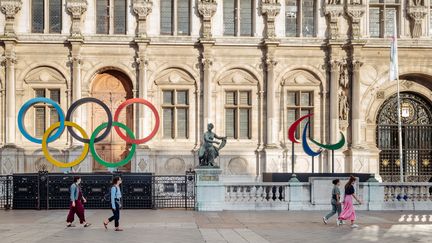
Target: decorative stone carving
[[207, 8], [355, 12], [333, 12], [343, 91], [142, 8], [9, 8], [416, 11], [76, 8], [333, 2], [270, 9]]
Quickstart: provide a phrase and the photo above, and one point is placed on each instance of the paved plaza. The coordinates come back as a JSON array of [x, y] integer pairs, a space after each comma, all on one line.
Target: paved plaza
[[236, 227]]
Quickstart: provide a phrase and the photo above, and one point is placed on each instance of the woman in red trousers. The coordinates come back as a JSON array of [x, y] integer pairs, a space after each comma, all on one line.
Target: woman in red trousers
[[77, 204]]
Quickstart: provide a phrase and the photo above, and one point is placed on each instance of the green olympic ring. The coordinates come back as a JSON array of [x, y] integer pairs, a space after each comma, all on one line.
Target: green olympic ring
[[98, 158]]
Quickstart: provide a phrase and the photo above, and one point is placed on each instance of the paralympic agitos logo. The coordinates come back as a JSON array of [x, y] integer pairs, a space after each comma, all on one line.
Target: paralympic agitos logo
[[308, 150], [94, 138]]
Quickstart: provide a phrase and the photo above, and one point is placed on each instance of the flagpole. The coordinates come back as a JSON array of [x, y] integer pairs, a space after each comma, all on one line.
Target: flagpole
[[400, 132]]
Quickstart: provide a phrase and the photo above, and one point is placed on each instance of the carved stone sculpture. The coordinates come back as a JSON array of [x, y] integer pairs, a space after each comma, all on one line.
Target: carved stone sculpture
[[343, 105], [207, 8], [208, 152], [142, 8], [355, 11], [270, 9], [76, 8], [10, 8], [416, 11], [333, 12]]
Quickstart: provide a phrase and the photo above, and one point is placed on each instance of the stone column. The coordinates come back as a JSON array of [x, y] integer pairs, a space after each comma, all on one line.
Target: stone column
[[270, 9], [207, 62], [207, 8], [333, 11], [355, 101], [334, 100], [9, 8], [416, 12], [76, 8], [271, 103], [75, 61], [10, 88], [355, 12], [142, 8], [144, 118]]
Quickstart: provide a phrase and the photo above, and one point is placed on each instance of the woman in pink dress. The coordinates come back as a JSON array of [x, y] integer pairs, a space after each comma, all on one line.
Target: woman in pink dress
[[348, 212]]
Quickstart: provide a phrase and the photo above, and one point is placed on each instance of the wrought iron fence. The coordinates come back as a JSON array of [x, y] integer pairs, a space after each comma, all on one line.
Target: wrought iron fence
[[417, 152], [6, 192], [140, 190]]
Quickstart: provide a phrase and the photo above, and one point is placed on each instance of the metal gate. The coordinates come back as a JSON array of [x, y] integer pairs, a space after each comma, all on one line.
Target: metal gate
[[416, 139], [139, 190], [5, 192]]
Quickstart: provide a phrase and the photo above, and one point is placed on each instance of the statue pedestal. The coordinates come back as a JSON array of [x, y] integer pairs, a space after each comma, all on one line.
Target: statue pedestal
[[209, 189]]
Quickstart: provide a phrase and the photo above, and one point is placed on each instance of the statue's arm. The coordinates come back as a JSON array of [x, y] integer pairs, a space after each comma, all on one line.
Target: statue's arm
[[218, 137]]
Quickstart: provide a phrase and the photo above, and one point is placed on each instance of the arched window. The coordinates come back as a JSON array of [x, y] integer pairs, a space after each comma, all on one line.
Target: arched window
[[300, 18], [111, 16], [175, 17], [238, 17], [177, 98], [238, 98], [383, 17], [44, 82], [46, 16], [300, 91]]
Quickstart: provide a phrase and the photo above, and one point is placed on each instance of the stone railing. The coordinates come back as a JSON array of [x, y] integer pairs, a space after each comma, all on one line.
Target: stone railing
[[407, 196], [407, 192], [256, 196], [307, 196]]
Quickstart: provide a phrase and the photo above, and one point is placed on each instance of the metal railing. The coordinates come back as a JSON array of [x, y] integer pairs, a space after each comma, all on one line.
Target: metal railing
[[6, 194]]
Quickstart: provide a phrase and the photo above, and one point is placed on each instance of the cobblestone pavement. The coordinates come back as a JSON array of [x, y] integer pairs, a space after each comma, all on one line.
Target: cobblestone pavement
[[237, 227]]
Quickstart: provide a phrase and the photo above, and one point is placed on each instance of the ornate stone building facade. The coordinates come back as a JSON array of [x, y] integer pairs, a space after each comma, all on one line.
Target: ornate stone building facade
[[251, 67]]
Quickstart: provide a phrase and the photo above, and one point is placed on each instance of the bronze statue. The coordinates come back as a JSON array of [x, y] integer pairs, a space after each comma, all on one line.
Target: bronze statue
[[207, 152]]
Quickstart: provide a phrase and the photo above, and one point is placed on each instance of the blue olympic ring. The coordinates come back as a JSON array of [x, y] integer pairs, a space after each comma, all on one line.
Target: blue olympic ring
[[27, 106]]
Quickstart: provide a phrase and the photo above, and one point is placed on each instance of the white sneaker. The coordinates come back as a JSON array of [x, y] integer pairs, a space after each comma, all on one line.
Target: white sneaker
[[354, 226], [339, 222], [324, 220]]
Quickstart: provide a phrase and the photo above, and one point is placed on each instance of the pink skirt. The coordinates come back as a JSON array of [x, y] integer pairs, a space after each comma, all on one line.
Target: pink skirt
[[348, 212]]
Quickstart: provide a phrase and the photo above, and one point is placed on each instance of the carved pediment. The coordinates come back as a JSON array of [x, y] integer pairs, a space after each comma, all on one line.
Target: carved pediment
[[44, 75], [300, 77], [174, 77], [237, 77]]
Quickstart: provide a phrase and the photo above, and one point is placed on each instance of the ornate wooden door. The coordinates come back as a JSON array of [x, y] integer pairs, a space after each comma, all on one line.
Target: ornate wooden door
[[112, 90]]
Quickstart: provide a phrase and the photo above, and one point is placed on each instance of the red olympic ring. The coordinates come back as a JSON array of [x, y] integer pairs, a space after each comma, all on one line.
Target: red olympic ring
[[140, 101]]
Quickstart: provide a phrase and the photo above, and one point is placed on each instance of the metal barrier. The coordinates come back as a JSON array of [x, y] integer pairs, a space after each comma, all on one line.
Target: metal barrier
[[6, 192], [139, 190]]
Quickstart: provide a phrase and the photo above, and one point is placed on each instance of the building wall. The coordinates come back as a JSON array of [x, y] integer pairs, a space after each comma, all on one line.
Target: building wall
[[298, 63]]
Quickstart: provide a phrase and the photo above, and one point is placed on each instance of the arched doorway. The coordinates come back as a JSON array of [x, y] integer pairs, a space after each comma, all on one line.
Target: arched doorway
[[112, 87], [416, 138]]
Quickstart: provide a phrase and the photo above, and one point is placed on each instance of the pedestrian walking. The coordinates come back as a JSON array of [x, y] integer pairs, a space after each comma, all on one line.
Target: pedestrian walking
[[348, 212], [115, 204], [335, 202], [77, 201]]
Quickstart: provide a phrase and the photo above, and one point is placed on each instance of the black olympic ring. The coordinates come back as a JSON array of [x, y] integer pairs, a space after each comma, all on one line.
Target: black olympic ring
[[84, 101]]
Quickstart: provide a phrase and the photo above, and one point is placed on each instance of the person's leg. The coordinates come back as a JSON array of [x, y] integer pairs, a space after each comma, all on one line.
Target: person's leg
[[113, 216], [333, 212], [71, 215], [80, 212], [117, 217]]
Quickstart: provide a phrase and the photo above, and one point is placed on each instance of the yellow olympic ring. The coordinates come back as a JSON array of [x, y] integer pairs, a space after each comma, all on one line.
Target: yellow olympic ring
[[51, 159]]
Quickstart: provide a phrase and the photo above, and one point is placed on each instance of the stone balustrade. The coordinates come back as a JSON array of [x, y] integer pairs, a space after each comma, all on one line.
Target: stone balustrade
[[407, 192], [310, 196], [256, 196]]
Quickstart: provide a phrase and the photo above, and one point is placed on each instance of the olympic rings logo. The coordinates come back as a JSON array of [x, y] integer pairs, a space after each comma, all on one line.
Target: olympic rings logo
[[89, 143], [308, 150]]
